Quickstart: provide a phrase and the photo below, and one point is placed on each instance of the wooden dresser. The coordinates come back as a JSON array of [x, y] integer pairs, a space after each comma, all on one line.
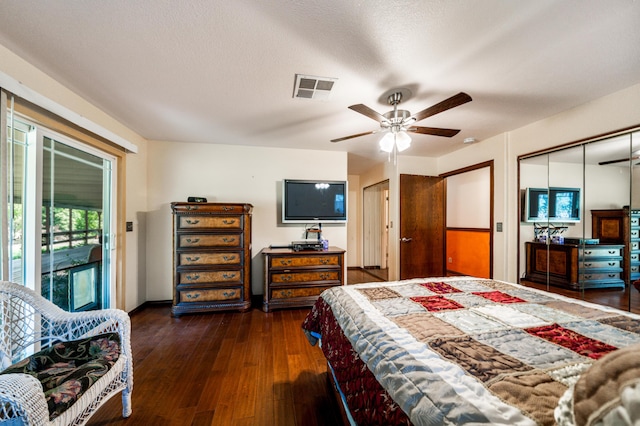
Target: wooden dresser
[[211, 257], [575, 266], [295, 279]]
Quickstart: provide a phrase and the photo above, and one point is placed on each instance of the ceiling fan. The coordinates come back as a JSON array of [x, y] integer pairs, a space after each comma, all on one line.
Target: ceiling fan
[[398, 123]]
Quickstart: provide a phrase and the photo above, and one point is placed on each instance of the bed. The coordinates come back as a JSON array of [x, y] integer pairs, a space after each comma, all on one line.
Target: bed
[[464, 350]]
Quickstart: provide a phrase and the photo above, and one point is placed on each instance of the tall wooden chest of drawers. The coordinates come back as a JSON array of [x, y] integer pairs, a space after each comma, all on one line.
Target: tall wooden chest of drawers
[[211, 257], [294, 279]]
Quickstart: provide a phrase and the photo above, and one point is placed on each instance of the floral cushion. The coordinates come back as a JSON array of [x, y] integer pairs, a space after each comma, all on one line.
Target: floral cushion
[[67, 369]]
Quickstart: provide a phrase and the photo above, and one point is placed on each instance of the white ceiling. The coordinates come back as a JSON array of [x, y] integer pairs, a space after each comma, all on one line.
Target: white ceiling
[[223, 71]]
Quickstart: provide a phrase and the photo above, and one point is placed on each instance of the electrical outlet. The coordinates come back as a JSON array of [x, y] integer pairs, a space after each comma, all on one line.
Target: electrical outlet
[[499, 226], [129, 226], [451, 260]]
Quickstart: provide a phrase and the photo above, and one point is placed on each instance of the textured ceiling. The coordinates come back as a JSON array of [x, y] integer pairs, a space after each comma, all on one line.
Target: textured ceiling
[[223, 72]]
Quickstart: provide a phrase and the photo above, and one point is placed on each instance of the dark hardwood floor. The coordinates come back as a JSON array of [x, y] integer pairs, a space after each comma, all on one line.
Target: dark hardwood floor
[[229, 368]]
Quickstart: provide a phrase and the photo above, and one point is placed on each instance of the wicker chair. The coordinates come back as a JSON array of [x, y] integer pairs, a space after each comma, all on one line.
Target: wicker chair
[[31, 324]]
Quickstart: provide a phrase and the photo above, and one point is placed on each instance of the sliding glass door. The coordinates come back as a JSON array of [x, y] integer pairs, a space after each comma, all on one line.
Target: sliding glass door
[[61, 215]]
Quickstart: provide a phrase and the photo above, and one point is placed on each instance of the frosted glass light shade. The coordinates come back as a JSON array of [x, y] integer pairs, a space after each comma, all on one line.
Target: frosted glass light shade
[[387, 141], [403, 141]]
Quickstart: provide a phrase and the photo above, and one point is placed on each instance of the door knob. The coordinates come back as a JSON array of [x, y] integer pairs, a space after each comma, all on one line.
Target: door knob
[[405, 239]]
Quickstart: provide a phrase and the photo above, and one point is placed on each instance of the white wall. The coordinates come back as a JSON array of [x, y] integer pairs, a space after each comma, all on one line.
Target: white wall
[[136, 212], [468, 199], [233, 174]]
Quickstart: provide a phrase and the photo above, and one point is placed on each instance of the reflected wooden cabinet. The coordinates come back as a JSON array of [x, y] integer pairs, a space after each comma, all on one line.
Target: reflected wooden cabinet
[[620, 226], [575, 267], [211, 257]]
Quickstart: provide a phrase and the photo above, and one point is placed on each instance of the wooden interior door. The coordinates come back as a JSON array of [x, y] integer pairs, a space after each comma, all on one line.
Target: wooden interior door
[[422, 217]]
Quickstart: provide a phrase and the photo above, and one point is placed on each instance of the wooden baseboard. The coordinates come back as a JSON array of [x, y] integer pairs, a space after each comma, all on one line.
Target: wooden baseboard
[[149, 303]]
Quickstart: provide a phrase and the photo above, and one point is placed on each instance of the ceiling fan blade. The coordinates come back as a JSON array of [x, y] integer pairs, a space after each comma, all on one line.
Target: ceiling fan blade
[[436, 131], [365, 110], [452, 102], [354, 136], [621, 160]]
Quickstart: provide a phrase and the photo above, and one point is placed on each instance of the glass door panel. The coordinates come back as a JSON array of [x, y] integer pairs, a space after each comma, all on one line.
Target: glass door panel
[[74, 226], [17, 138], [566, 219], [607, 198], [634, 228], [534, 181]]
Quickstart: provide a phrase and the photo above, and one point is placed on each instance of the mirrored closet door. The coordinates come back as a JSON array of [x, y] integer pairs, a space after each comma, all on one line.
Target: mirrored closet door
[[580, 220]]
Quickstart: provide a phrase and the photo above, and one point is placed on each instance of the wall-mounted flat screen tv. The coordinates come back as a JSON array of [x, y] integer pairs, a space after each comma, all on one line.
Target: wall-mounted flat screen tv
[[552, 205], [314, 201]]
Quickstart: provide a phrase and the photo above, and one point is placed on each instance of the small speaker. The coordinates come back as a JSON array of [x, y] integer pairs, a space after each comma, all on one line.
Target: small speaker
[[196, 200]]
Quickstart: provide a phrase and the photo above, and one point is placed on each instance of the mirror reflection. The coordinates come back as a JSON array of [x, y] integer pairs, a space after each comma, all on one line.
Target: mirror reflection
[[580, 221]]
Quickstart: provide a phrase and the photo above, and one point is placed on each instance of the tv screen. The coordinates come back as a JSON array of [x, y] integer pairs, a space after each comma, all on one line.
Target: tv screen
[[552, 205], [321, 201]]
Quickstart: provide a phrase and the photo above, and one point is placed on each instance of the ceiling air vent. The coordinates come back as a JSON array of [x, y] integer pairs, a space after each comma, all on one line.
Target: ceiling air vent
[[312, 87]]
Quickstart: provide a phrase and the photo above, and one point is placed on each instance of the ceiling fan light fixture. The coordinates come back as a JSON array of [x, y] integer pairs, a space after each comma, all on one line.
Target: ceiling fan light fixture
[[403, 141], [387, 142]]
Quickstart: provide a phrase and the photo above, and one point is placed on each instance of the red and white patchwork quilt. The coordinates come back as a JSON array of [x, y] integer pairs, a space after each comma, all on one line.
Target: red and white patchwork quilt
[[460, 350]]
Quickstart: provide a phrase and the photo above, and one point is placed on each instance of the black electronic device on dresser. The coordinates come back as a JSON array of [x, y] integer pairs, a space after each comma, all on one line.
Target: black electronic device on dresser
[[211, 257]]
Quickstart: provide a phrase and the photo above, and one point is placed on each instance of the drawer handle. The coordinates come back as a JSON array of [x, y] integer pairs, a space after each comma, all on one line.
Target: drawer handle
[[193, 221], [588, 265], [588, 252], [192, 207], [193, 296], [324, 261], [285, 262], [325, 276], [612, 251], [193, 240], [287, 277], [229, 258], [286, 293], [227, 208], [228, 240], [229, 221], [613, 275], [229, 294], [192, 277], [228, 276], [612, 263], [193, 259]]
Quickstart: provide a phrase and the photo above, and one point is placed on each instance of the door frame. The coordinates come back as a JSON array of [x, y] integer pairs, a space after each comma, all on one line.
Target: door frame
[[490, 164]]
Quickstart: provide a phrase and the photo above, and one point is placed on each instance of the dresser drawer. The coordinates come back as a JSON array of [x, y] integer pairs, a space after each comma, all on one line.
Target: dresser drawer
[[588, 253], [289, 293], [599, 276], [210, 295], [209, 259], [209, 240], [301, 261], [207, 222], [599, 264], [308, 276], [210, 277], [204, 208]]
